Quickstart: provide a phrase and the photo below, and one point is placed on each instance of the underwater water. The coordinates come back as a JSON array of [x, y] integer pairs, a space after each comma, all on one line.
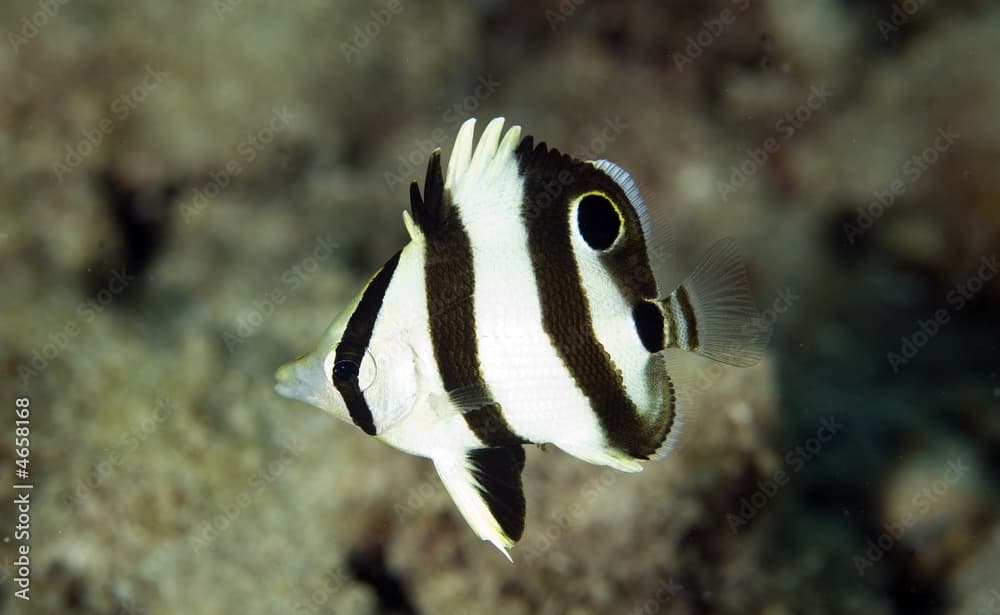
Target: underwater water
[[191, 191]]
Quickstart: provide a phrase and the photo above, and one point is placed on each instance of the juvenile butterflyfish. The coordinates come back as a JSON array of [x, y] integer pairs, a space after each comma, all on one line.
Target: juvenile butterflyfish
[[526, 308]]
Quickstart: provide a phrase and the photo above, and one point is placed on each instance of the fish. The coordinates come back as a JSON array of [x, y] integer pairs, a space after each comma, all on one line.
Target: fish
[[527, 308]]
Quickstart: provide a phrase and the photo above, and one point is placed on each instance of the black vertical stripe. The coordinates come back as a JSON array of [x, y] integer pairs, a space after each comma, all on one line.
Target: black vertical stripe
[[684, 301], [353, 343], [552, 180], [450, 287]]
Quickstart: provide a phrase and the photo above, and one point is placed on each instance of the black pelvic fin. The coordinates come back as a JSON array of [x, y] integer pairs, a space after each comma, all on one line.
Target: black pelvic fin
[[430, 211], [498, 472]]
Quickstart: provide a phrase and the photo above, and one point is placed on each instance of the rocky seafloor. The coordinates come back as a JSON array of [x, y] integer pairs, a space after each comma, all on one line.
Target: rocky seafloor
[[189, 192]]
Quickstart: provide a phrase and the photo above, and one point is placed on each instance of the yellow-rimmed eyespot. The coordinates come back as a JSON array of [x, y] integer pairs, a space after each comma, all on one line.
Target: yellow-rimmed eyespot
[[599, 220]]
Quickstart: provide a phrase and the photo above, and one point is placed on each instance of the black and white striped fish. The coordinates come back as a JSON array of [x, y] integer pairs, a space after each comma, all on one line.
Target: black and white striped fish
[[524, 309]]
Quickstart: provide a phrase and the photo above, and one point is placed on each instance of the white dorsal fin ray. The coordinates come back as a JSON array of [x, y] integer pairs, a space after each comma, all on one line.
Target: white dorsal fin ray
[[411, 227], [486, 149], [510, 142], [474, 167], [461, 153]]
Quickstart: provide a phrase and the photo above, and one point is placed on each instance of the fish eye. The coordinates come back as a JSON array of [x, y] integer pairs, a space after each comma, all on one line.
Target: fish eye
[[598, 220], [347, 369]]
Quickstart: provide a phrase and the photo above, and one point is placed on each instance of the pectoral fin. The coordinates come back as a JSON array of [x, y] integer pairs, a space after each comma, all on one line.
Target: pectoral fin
[[486, 486]]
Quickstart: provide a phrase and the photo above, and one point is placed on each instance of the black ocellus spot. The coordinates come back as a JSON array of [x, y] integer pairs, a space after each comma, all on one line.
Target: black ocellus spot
[[648, 319], [598, 221]]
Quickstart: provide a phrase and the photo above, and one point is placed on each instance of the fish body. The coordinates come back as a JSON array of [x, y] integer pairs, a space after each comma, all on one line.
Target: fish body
[[525, 309]]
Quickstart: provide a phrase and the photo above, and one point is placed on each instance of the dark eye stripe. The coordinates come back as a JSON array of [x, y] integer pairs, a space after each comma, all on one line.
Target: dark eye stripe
[[345, 370], [354, 342]]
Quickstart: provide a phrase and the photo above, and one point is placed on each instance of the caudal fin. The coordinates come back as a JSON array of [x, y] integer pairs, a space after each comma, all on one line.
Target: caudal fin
[[713, 313]]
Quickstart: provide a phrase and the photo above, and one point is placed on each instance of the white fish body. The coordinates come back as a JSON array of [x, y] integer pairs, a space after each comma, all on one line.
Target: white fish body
[[524, 309]]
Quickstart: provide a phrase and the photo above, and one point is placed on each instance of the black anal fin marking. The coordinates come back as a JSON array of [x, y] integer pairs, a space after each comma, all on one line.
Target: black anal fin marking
[[429, 211], [498, 473]]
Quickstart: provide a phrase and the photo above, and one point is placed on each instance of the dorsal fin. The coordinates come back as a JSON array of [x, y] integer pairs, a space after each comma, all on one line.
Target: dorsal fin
[[430, 210]]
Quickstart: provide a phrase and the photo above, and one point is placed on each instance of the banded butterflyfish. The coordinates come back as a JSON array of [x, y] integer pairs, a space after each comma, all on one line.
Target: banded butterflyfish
[[526, 308]]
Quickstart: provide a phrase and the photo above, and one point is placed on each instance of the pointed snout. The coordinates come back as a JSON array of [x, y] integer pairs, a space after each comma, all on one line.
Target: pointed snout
[[289, 381], [303, 380]]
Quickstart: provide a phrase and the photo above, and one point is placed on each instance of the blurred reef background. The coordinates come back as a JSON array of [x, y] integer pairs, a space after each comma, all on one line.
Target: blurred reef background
[[190, 191]]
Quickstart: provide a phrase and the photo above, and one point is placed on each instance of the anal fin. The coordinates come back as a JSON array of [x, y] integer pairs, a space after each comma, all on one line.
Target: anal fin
[[602, 456], [485, 485]]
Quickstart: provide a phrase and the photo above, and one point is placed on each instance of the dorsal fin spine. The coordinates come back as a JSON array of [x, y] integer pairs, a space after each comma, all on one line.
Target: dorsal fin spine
[[430, 210]]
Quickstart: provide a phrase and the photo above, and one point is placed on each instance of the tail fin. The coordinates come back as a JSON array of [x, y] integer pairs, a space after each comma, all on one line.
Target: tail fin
[[713, 313]]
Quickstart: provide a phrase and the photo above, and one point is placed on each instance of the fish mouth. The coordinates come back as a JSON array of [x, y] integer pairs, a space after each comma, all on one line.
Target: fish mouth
[[301, 380], [288, 381]]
